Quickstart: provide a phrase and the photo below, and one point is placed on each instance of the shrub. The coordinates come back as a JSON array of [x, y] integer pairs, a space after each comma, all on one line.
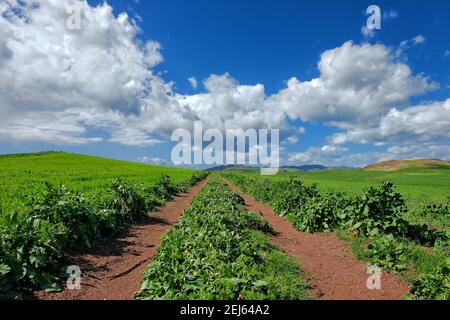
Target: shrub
[[317, 215], [163, 188], [262, 190], [59, 205], [436, 211], [422, 234], [128, 205], [290, 196], [33, 241], [385, 252], [197, 177], [377, 211], [30, 249]]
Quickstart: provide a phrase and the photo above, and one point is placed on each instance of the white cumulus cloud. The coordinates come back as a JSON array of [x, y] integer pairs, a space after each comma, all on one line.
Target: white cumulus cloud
[[96, 84]]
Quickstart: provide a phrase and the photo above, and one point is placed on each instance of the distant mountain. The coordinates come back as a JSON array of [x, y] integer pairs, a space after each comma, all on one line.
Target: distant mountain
[[341, 168], [311, 167], [393, 165], [233, 168]]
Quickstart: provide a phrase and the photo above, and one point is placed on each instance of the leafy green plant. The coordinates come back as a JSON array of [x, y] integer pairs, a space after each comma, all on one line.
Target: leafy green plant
[[59, 205], [434, 285], [385, 252], [290, 196], [126, 202], [437, 210], [164, 188], [378, 218], [30, 248], [317, 215], [377, 211], [422, 234]]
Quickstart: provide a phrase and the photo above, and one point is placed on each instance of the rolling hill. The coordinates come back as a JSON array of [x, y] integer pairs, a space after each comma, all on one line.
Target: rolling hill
[[22, 174], [394, 165]]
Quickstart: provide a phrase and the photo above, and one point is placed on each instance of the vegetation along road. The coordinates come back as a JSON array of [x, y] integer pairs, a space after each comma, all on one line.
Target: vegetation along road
[[143, 232]]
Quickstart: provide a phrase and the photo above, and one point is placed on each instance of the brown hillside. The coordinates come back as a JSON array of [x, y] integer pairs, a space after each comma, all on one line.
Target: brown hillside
[[393, 165]]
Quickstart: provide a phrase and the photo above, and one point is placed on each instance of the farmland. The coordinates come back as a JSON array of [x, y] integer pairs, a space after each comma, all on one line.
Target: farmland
[[27, 174], [418, 186], [376, 222], [239, 261], [57, 203]]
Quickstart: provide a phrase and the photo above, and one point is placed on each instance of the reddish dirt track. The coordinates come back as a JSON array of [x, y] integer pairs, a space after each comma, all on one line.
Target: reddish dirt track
[[327, 261], [113, 270]]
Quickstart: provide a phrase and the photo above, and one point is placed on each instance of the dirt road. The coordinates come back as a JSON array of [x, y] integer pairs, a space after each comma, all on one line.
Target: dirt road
[[113, 269], [328, 262]]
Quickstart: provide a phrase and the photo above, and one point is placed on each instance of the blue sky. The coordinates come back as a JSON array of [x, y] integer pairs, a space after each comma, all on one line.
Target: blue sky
[[266, 43]]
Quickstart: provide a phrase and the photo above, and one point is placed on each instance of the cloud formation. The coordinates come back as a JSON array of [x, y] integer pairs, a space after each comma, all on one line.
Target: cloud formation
[[97, 84], [49, 72]]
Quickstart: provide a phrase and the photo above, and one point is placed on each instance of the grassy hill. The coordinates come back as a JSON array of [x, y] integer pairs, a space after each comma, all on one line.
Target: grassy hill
[[27, 173], [394, 165]]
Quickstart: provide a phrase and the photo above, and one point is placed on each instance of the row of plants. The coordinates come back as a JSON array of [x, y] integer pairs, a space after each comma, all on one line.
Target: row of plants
[[377, 216], [219, 250], [58, 222]]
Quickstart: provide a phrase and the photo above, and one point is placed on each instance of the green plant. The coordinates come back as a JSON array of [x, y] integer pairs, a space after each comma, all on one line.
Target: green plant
[[126, 202], [317, 215], [60, 205], [437, 210], [434, 285], [30, 248], [290, 196], [376, 223], [164, 188], [377, 211], [385, 252]]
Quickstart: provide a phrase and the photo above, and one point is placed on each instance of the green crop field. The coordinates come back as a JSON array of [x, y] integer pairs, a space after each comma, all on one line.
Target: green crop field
[[367, 211], [419, 186], [52, 203], [26, 174]]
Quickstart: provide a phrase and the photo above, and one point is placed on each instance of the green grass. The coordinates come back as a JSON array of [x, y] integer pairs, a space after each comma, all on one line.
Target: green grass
[[27, 173], [418, 186]]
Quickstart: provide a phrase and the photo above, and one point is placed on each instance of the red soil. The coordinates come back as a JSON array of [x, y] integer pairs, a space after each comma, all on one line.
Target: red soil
[[328, 263], [113, 269]]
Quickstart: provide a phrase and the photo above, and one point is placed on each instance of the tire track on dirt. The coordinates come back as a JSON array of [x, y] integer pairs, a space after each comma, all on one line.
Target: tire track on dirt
[[113, 269], [327, 261]]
